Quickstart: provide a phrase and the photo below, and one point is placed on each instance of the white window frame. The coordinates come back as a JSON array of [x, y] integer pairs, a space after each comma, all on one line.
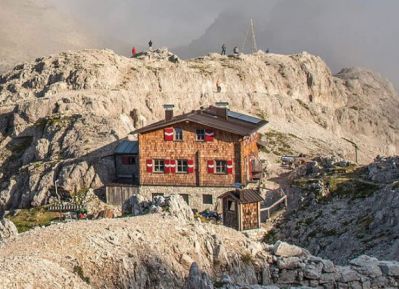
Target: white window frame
[[219, 165], [180, 164], [158, 166], [200, 132], [178, 132]]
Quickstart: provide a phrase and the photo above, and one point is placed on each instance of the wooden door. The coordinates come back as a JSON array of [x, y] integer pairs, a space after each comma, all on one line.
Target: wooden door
[[250, 216]]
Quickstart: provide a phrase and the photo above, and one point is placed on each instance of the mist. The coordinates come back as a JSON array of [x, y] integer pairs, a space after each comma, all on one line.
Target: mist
[[344, 32]]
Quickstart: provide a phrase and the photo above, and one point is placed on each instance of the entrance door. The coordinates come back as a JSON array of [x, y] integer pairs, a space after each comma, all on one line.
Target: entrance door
[[250, 216]]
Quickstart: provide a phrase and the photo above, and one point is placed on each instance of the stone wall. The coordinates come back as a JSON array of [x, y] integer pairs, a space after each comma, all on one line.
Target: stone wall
[[195, 195]]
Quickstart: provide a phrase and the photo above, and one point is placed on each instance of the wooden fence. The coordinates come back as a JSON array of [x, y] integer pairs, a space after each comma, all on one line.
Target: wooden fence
[[268, 209], [65, 208], [117, 194]]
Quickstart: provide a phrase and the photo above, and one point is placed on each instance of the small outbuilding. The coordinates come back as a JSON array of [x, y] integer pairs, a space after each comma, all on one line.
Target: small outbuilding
[[241, 209], [126, 162]]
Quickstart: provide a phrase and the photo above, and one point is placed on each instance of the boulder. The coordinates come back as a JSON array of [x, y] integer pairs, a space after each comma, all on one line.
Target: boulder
[[197, 279], [366, 265], [7, 230], [179, 208], [390, 268], [284, 249]]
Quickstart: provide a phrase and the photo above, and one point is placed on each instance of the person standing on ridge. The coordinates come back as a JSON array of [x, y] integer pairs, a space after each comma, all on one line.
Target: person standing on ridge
[[223, 49], [236, 51], [150, 44], [134, 52]]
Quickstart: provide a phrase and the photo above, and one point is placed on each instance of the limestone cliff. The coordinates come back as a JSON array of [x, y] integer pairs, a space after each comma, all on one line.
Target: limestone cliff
[[61, 115]]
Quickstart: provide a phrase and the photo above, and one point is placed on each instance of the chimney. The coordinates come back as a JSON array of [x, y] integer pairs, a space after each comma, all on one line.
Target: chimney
[[222, 109], [168, 111]]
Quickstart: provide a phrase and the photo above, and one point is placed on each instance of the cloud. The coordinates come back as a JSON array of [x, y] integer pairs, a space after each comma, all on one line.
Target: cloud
[[343, 32]]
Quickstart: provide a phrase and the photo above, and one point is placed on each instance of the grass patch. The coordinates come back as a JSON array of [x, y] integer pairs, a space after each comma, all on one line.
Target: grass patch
[[28, 219], [79, 271], [278, 143], [246, 258], [270, 237]]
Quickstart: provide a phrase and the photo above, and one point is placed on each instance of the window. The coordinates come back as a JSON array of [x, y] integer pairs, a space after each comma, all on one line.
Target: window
[[200, 134], [221, 167], [207, 199], [126, 160], [154, 195], [159, 166], [185, 198], [178, 134], [231, 205], [182, 166]]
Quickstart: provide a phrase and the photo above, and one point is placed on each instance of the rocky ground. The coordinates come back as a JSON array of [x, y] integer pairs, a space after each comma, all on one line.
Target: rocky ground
[[62, 115], [339, 210], [158, 251]]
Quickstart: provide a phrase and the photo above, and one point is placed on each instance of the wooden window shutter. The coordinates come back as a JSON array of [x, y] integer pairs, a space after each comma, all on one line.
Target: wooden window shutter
[[149, 166], [211, 167], [168, 133], [167, 166], [190, 168], [230, 167], [209, 135], [172, 165]]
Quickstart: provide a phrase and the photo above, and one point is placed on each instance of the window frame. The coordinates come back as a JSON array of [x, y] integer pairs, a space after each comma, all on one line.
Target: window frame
[[158, 165], [219, 166], [178, 165], [178, 132], [131, 160], [202, 139], [231, 204], [186, 198], [205, 201]]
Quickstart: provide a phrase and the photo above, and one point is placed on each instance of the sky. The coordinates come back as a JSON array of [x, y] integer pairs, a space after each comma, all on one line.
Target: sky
[[343, 32]]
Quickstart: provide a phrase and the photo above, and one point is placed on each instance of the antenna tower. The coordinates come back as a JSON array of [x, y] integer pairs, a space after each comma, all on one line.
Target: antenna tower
[[250, 38]]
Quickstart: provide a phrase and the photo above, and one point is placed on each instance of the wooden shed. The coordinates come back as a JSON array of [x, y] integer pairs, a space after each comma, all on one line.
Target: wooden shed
[[241, 209]]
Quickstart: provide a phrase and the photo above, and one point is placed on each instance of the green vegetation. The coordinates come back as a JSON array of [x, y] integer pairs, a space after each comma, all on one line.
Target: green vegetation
[[27, 219], [79, 271], [270, 237], [246, 258], [278, 143]]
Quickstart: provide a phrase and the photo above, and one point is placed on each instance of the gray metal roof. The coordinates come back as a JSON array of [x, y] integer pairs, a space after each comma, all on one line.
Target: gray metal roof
[[243, 117], [127, 147]]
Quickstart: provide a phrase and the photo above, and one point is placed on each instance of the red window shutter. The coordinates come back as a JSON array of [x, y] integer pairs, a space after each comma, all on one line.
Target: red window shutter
[[167, 166], [149, 166], [190, 168], [209, 135], [168, 133], [230, 167], [211, 167], [172, 164]]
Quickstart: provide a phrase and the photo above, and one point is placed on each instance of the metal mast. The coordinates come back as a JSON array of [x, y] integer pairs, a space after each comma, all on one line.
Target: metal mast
[[250, 38]]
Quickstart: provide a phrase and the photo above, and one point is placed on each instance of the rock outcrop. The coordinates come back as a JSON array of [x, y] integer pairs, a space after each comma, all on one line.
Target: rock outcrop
[[164, 251], [7, 230], [343, 208], [62, 115]]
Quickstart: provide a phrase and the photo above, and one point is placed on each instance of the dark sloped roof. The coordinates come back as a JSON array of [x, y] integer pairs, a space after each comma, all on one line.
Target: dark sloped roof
[[243, 196], [127, 147], [237, 123]]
